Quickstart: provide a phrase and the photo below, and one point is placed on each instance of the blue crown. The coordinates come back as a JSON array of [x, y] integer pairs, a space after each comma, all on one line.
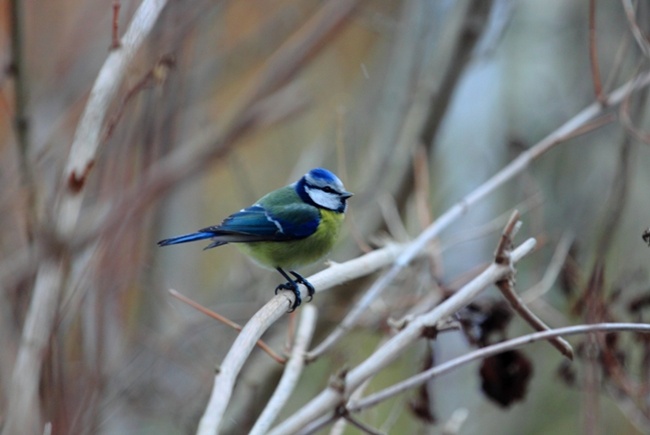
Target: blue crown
[[323, 174]]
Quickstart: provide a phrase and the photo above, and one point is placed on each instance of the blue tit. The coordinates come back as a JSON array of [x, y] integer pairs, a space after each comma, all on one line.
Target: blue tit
[[290, 227]]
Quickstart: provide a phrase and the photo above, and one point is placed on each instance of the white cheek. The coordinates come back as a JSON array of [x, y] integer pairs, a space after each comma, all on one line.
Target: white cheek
[[324, 199]]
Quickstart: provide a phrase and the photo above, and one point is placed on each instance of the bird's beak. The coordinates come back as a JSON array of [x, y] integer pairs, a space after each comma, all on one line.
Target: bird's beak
[[346, 195]]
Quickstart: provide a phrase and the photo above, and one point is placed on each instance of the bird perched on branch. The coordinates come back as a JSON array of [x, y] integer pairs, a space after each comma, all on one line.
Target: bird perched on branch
[[290, 227]]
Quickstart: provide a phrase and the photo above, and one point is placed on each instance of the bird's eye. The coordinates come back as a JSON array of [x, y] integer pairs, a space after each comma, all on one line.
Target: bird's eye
[[328, 189]]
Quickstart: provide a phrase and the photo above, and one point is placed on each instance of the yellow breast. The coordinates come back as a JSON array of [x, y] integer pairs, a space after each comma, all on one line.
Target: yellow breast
[[296, 253]]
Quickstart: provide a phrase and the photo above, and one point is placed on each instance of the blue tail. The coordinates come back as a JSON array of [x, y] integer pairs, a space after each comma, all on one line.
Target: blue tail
[[186, 238]]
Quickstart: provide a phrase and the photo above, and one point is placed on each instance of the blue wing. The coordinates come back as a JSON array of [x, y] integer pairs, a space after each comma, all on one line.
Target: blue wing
[[257, 224]]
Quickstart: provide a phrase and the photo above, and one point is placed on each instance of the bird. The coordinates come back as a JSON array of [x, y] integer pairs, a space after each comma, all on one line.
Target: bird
[[287, 228]]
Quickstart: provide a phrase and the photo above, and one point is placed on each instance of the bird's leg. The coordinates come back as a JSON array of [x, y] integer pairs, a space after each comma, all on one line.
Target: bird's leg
[[301, 280], [289, 285]]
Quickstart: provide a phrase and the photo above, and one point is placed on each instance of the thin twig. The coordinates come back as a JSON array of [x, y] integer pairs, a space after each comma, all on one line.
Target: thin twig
[[508, 291], [507, 288], [226, 321], [593, 54], [626, 120], [502, 253], [21, 117], [639, 36], [552, 271], [115, 40], [488, 351], [361, 426]]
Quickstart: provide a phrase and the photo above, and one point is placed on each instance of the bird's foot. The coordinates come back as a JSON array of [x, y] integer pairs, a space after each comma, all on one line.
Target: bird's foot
[[301, 280], [290, 285], [293, 286]]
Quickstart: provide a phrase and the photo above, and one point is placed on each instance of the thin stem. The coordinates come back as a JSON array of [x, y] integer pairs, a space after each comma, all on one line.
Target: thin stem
[[593, 54], [485, 352], [21, 116], [226, 321]]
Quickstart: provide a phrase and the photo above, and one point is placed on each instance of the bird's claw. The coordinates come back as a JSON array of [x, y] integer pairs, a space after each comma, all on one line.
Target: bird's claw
[[294, 287], [301, 280], [290, 285]]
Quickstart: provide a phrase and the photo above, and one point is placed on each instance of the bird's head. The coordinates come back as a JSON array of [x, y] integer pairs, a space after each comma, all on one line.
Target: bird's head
[[322, 188]]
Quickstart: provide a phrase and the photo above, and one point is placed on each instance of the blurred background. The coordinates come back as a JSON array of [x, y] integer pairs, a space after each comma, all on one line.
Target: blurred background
[[413, 104]]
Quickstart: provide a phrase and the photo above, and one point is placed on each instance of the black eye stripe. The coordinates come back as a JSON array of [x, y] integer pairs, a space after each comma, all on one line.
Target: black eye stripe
[[326, 189]]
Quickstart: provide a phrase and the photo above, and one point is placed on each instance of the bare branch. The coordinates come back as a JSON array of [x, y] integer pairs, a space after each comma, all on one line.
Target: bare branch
[[268, 314], [23, 411], [487, 351], [394, 347], [507, 288], [88, 134], [518, 165], [292, 371]]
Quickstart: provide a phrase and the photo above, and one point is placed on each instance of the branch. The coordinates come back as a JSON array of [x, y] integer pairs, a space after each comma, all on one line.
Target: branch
[[23, 410], [507, 288], [579, 124], [224, 381], [269, 313], [488, 351], [328, 399], [292, 371], [21, 117]]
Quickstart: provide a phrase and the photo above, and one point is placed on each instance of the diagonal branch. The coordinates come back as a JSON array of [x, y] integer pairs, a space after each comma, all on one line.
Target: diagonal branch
[[225, 379], [507, 288], [292, 371], [580, 123], [488, 351], [328, 399]]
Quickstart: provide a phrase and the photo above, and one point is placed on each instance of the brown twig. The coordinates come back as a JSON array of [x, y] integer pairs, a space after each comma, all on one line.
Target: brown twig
[[507, 288], [226, 321], [115, 39], [593, 55], [155, 76]]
